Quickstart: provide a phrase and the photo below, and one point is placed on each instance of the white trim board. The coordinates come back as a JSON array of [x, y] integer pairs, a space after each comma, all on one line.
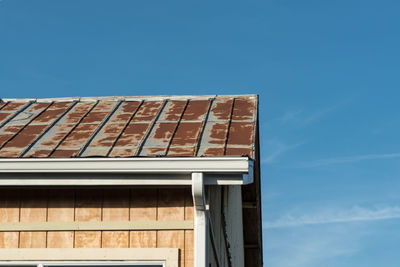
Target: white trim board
[[170, 256], [96, 226], [58, 179]]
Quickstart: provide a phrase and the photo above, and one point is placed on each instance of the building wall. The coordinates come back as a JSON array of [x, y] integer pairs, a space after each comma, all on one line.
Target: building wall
[[214, 196], [234, 223], [63, 205], [225, 206]]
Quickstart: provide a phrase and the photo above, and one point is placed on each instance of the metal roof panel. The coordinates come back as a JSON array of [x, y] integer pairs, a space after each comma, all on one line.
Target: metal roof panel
[[142, 126]]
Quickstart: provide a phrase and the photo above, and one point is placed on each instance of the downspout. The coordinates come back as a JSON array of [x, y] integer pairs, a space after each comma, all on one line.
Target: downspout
[[201, 226]]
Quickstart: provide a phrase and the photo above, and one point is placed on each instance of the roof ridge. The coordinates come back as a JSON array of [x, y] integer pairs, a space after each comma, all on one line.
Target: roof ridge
[[122, 98]]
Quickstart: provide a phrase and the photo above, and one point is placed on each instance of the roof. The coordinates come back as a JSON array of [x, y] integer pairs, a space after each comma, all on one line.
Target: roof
[[142, 126], [150, 126]]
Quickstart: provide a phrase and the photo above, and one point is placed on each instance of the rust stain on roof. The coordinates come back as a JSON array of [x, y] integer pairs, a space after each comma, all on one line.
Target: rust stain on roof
[[133, 135], [181, 151], [162, 133], [222, 109], [154, 151], [39, 106], [218, 133], [39, 154], [213, 151], [126, 112], [196, 110], [123, 152], [80, 110], [159, 126], [25, 137], [79, 135], [108, 135], [148, 111], [173, 111], [29, 133], [244, 109], [12, 106], [9, 110], [52, 112], [64, 153], [187, 134], [241, 133], [232, 151]]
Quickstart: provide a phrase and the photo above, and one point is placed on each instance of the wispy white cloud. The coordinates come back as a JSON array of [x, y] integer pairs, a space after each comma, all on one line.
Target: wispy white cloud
[[312, 247], [349, 159], [321, 113], [355, 214], [276, 149], [330, 238], [290, 115], [302, 117]]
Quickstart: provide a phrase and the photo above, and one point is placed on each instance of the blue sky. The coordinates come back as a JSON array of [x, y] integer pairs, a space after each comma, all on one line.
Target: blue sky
[[326, 72]]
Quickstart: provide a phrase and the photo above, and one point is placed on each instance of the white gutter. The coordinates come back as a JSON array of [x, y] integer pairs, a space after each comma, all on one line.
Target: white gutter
[[125, 171], [126, 165], [201, 226]]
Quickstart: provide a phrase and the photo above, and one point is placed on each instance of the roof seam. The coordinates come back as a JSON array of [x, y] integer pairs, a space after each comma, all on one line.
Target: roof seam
[[73, 128], [140, 147], [47, 129], [176, 127], [123, 130], [20, 130], [5, 104], [98, 129], [229, 126], [16, 114], [204, 127]]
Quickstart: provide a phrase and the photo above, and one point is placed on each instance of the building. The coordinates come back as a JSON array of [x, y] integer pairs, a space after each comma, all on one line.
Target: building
[[139, 181]]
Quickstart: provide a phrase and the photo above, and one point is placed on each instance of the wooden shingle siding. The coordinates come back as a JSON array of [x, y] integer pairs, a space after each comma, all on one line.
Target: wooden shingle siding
[[33, 209], [98, 204], [9, 212], [115, 208], [143, 206], [60, 208]]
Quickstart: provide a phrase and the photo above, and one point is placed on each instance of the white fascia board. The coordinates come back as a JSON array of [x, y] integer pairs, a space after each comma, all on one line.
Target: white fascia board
[[124, 171]]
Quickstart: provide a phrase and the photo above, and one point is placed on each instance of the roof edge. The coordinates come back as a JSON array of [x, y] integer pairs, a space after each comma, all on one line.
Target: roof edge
[[122, 98]]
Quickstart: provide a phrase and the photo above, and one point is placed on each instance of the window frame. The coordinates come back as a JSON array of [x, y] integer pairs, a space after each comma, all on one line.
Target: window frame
[[165, 257], [82, 263]]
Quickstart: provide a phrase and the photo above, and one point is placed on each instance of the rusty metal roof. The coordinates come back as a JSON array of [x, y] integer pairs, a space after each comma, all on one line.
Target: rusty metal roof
[[165, 126]]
